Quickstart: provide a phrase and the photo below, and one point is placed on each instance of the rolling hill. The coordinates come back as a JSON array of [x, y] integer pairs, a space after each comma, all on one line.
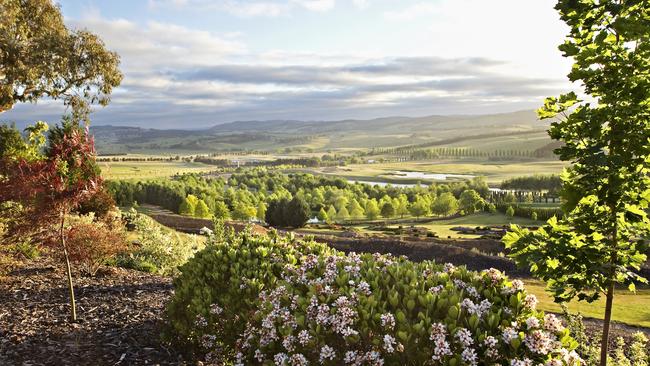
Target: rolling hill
[[521, 128]]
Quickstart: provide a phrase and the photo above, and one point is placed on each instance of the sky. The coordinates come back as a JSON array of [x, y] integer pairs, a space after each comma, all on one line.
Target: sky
[[197, 63]]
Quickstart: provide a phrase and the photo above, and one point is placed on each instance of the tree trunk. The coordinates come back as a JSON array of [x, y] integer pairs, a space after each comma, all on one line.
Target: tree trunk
[[604, 345], [73, 305]]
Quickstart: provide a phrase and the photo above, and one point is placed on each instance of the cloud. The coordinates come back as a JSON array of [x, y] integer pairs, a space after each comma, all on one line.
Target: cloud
[[249, 8], [411, 12], [179, 76], [361, 4], [159, 45]]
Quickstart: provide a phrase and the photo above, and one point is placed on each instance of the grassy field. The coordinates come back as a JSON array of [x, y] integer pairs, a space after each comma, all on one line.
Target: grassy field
[[495, 172], [150, 169], [629, 308], [443, 227]]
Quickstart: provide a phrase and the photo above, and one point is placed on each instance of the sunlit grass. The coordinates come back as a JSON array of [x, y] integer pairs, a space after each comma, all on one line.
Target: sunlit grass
[[443, 227], [150, 169], [630, 308]]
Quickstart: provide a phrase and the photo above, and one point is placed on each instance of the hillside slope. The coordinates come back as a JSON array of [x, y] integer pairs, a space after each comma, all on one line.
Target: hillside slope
[[324, 135]]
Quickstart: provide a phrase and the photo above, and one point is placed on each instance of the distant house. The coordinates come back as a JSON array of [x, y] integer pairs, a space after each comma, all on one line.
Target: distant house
[[371, 161], [313, 220]]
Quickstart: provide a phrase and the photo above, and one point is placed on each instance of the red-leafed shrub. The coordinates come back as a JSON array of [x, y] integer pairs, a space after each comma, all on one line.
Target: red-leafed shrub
[[100, 203], [91, 244]]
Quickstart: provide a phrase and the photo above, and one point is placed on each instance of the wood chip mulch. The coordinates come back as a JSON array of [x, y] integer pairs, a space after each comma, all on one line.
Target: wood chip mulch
[[119, 317]]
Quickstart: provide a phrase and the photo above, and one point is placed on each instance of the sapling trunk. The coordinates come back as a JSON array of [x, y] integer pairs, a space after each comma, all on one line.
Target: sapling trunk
[[604, 345], [73, 305]]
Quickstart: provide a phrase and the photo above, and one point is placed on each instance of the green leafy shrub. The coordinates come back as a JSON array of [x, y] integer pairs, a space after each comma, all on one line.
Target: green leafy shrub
[[634, 353], [157, 250], [26, 249], [255, 299]]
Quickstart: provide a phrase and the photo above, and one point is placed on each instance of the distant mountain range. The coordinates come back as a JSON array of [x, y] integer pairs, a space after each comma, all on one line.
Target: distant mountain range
[[323, 135]]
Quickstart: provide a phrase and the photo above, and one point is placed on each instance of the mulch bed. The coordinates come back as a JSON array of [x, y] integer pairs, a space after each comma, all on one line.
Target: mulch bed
[[119, 318]]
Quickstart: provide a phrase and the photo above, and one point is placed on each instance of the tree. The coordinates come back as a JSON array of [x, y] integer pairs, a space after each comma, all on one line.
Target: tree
[[509, 198], [322, 215], [188, 206], [331, 213], [202, 210], [297, 213], [343, 214], [470, 201], [419, 208], [387, 210], [221, 211], [372, 209], [355, 209], [41, 58], [49, 183], [599, 242], [445, 205], [510, 212], [401, 205], [261, 210], [243, 211], [285, 213]]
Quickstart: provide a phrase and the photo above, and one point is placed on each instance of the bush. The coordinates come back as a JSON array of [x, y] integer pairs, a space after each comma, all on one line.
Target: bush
[[91, 244], [101, 203], [633, 354], [157, 250], [285, 213], [261, 300]]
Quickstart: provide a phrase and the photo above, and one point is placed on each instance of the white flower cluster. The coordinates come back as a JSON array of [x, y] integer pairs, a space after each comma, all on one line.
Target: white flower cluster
[[464, 336], [389, 343], [436, 289], [387, 321], [494, 275], [441, 347], [476, 309], [491, 344], [215, 309], [516, 286], [326, 353], [531, 301]]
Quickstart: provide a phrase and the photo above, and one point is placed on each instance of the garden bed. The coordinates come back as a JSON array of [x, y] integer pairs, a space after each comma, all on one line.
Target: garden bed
[[120, 314]]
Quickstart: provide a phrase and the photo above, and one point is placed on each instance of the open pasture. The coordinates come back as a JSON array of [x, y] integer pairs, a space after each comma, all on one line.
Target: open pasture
[[494, 172], [150, 169]]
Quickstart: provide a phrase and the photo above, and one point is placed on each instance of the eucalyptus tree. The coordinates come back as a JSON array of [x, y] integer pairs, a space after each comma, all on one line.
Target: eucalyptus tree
[[40, 57], [601, 240]]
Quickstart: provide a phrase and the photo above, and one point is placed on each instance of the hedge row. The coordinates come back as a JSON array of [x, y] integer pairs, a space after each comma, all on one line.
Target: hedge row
[[543, 213], [273, 300]]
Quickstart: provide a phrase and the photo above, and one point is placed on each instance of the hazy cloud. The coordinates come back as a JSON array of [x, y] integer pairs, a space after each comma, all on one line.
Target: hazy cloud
[[177, 76], [412, 11]]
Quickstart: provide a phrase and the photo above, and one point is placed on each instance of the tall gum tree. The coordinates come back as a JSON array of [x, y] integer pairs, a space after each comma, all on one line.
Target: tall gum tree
[[601, 240], [40, 57]]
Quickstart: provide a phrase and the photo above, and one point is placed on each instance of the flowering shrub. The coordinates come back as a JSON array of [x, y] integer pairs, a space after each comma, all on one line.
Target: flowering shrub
[[276, 301]]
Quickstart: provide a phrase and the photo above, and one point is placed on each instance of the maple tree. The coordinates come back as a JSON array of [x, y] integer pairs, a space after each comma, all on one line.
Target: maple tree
[[48, 182]]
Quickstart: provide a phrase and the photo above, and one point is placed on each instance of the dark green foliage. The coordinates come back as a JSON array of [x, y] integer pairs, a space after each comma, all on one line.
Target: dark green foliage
[[100, 203], [548, 183], [287, 213], [388, 210], [543, 213]]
